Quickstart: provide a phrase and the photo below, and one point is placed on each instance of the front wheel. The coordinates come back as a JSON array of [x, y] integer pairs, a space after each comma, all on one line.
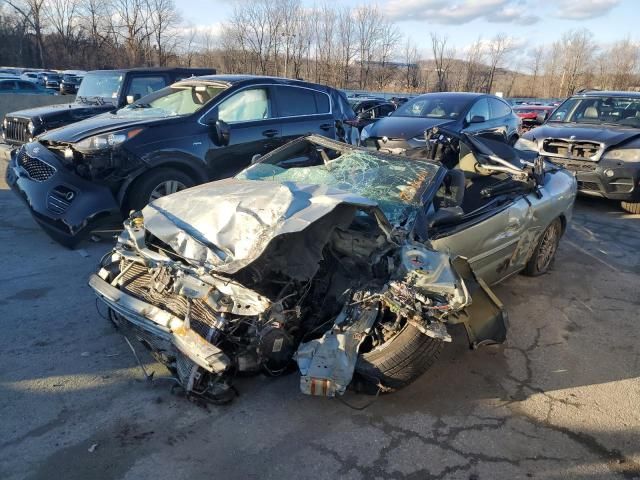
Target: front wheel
[[545, 252], [398, 361], [155, 184], [631, 207]]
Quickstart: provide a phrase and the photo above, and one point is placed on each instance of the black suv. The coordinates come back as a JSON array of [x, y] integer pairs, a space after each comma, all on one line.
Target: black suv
[[100, 91], [596, 135], [87, 175]]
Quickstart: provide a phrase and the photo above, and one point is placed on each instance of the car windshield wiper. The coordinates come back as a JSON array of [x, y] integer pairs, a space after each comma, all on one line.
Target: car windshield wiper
[[141, 105], [82, 99]]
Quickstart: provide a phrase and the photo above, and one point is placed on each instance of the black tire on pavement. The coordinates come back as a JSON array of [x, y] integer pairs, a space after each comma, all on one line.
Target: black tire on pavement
[[631, 207], [140, 191], [399, 361], [545, 252]]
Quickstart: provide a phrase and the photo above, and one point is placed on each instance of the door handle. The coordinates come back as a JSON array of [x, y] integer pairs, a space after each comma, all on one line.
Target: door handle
[[326, 126], [269, 133]]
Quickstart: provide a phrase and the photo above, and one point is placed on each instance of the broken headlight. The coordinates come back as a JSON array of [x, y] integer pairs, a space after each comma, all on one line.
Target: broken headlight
[[107, 140], [624, 154]]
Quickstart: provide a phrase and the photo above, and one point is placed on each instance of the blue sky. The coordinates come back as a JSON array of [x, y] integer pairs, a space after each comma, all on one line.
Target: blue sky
[[528, 22]]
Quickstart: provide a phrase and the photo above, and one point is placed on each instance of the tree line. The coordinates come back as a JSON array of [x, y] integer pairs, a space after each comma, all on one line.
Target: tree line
[[352, 48]]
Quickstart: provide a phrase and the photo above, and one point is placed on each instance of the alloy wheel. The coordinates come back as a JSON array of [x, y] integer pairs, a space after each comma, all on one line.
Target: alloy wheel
[[166, 188], [548, 247]]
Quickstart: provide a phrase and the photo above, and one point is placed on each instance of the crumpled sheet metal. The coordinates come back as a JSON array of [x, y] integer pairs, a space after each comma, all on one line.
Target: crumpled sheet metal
[[228, 224], [327, 363]]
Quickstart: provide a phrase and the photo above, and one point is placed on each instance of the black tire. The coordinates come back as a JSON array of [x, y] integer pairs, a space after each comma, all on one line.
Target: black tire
[[140, 190], [631, 207], [544, 254], [398, 362]]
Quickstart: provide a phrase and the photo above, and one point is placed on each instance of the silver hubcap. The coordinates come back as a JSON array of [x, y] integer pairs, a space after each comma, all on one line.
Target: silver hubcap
[[166, 188], [548, 246]]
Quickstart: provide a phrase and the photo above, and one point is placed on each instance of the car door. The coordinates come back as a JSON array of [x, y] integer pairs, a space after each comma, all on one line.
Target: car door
[[491, 241], [304, 111], [253, 127]]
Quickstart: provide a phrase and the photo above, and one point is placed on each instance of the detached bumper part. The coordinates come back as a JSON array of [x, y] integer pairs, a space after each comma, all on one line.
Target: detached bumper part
[[162, 324], [327, 363]]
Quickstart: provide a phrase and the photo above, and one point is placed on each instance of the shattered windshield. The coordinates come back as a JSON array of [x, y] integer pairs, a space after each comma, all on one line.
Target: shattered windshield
[[396, 185], [179, 99], [105, 85], [599, 110]]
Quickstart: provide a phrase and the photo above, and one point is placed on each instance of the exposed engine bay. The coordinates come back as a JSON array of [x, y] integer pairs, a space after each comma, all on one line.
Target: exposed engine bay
[[325, 293]]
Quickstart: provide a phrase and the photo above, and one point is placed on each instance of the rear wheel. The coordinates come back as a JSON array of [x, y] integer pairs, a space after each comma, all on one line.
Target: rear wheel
[[155, 184], [631, 207], [545, 252], [398, 361]]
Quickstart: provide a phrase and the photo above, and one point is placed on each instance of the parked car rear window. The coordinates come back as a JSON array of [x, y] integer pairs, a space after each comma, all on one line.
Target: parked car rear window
[[294, 101]]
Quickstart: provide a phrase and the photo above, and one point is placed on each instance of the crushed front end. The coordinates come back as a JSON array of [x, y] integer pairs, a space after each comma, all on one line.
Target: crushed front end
[[279, 278]]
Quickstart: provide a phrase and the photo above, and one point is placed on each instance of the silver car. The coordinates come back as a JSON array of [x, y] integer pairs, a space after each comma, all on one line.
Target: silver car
[[353, 263]]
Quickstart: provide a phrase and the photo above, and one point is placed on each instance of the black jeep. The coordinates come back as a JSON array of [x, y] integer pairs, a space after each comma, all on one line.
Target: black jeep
[[101, 91]]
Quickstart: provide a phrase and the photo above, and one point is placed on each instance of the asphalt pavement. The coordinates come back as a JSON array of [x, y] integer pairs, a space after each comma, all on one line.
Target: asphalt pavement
[[559, 400]]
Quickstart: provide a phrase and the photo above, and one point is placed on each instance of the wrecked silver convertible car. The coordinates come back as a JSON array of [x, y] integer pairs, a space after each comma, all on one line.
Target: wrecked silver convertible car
[[351, 262]]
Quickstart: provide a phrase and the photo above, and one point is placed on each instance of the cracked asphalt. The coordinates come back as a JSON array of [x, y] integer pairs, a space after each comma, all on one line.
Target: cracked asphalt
[[559, 400]]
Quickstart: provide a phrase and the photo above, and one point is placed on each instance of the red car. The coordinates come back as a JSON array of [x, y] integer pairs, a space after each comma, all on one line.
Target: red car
[[533, 115]]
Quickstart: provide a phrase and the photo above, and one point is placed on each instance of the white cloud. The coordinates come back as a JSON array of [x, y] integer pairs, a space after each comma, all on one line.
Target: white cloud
[[584, 9], [461, 11]]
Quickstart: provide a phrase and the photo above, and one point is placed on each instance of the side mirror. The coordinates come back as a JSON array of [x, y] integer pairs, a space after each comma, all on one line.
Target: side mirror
[[446, 215], [221, 133], [477, 119], [132, 98]]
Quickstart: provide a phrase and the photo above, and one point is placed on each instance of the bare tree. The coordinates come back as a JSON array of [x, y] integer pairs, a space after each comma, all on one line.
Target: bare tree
[[411, 69], [33, 13], [474, 66], [442, 57], [499, 47]]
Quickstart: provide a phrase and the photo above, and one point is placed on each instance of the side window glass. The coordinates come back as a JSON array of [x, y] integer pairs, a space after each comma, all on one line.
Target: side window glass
[[245, 106], [322, 102], [294, 101], [479, 109], [145, 85], [386, 110], [26, 86], [6, 86], [499, 109]]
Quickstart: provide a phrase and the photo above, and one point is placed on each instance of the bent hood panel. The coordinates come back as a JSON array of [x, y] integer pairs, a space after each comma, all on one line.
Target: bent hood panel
[[229, 224]]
